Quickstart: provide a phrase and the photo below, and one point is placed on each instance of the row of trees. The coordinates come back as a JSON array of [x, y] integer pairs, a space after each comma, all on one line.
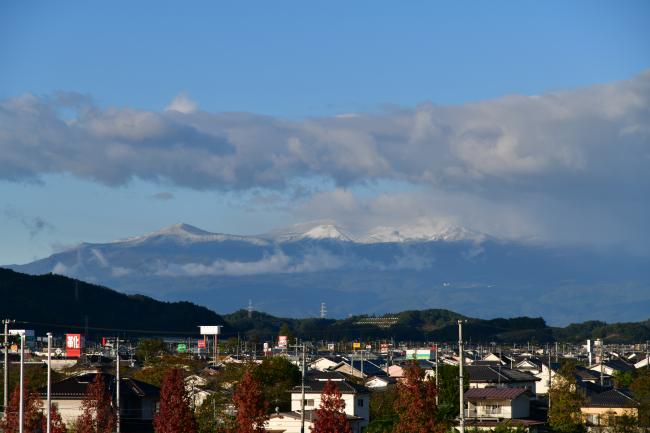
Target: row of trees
[[97, 415]]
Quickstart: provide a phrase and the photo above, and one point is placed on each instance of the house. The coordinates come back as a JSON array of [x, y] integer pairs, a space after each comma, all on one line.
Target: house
[[325, 363], [485, 408], [195, 386], [612, 366], [546, 374], [356, 397], [601, 410], [484, 376], [380, 382], [359, 368], [643, 363], [291, 422], [138, 400], [584, 374]]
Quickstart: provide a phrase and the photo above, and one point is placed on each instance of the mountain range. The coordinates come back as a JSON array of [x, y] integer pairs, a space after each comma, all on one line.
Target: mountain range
[[291, 272], [60, 304]]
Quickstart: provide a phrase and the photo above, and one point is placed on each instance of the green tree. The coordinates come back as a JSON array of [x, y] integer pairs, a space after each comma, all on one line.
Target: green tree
[[277, 375], [382, 411], [640, 388], [623, 379], [148, 349], [564, 414], [448, 395], [212, 416]]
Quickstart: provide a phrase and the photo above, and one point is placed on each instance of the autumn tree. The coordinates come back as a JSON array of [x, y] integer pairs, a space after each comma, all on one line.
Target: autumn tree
[[564, 414], [174, 415], [251, 405], [416, 404], [31, 411], [98, 414], [56, 423], [330, 416]]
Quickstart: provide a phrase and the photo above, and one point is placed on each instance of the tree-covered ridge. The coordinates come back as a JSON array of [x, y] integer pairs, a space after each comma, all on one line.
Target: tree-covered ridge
[[56, 302]]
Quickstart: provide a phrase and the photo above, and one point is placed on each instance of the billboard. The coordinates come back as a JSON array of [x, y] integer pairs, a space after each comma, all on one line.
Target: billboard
[[383, 348], [356, 345], [181, 348], [330, 346], [73, 345], [418, 354], [210, 330], [282, 341], [201, 344]]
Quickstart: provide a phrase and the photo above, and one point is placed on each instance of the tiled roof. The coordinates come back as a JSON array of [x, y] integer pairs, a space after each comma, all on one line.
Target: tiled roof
[[345, 387], [75, 387], [491, 374], [494, 393], [612, 398]]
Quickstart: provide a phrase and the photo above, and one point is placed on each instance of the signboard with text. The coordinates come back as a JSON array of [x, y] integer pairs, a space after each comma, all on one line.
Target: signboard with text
[[282, 341], [201, 344], [73, 345]]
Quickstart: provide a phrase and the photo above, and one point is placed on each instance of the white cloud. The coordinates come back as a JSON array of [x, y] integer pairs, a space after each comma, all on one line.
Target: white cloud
[[183, 104], [508, 164]]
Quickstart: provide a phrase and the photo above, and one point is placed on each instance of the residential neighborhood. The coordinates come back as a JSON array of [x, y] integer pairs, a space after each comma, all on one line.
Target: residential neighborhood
[[515, 388]]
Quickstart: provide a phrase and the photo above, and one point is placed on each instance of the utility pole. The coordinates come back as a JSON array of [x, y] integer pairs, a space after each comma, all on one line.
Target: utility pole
[[302, 392], [6, 322], [49, 382], [460, 377], [117, 384], [601, 362], [549, 380], [21, 407], [437, 376]]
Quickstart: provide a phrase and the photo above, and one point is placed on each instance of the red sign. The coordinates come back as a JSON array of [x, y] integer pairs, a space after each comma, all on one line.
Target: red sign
[[201, 344], [73, 345]]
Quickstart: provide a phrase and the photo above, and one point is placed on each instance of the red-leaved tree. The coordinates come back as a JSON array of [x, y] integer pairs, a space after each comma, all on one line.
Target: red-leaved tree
[[174, 415], [330, 416], [31, 411], [56, 423], [416, 403], [251, 406], [98, 414]]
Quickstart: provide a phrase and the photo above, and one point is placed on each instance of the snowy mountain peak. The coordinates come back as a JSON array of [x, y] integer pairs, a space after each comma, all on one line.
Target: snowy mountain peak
[[422, 231], [183, 229], [320, 230], [326, 231]]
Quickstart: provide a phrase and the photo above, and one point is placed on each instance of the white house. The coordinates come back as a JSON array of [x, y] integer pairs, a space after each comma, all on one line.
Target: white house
[[485, 408], [325, 363], [291, 422], [356, 397]]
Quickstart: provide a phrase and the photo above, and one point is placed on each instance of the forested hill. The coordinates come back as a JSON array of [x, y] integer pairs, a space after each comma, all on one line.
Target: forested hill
[[60, 304]]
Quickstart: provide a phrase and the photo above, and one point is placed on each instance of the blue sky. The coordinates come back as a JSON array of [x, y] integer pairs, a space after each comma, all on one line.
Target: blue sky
[[293, 62]]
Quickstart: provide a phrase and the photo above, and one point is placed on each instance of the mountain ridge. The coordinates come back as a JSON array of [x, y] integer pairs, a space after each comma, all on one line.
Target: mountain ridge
[[290, 273], [103, 310]]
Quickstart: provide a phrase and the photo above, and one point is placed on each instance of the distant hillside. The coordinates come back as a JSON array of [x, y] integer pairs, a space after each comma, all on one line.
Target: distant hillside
[[57, 303]]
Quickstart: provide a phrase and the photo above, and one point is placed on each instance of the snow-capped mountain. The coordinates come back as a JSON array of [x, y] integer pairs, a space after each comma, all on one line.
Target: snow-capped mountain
[[290, 271]]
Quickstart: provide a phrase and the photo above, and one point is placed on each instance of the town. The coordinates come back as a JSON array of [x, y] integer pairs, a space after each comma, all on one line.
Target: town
[[212, 384]]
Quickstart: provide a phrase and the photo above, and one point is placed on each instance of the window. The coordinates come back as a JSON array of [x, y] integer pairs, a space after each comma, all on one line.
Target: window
[[592, 419], [309, 402], [360, 402], [492, 409]]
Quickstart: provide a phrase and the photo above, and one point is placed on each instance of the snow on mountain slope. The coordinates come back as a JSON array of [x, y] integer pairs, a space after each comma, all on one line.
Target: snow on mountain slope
[[186, 233]]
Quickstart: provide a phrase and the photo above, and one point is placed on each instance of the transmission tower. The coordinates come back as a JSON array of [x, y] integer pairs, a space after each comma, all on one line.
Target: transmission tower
[[323, 310], [250, 308]]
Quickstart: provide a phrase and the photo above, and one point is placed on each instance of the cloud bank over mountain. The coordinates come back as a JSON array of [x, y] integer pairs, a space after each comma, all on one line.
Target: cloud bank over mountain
[[563, 166]]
